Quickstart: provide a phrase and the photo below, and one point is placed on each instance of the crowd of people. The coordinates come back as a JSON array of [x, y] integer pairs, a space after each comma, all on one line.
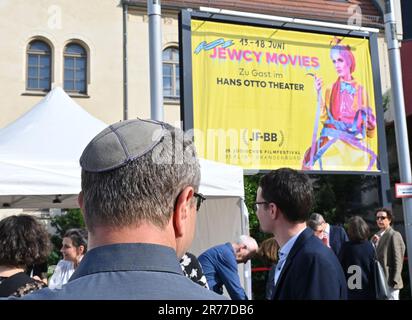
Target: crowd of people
[[357, 249], [140, 215]]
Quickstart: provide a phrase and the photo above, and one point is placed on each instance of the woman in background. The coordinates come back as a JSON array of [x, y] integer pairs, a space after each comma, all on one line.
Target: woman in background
[[74, 248], [268, 253], [23, 242], [357, 259]]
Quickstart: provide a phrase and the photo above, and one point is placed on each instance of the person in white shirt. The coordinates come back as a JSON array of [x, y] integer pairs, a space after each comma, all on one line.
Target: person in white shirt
[[73, 249]]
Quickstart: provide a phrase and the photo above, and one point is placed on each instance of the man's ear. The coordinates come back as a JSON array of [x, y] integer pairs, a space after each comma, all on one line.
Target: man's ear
[[274, 211], [182, 210], [82, 249]]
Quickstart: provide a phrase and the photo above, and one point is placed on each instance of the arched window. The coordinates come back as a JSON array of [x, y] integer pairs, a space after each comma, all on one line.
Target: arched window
[[171, 86], [75, 69], [38, 66]]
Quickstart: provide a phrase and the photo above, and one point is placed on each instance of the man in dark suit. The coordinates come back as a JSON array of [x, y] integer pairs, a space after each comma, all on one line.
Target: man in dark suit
[[306, 269], [337, 237], [332, 236]]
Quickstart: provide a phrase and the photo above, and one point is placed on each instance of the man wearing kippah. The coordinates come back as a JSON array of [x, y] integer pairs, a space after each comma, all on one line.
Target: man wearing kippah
[[139, 199]]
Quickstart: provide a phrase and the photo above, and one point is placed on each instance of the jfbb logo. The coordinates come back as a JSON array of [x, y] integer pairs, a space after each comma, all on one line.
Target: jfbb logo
[[265, 136]]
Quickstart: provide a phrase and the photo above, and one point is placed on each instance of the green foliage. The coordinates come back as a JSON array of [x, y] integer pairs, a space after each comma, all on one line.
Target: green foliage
[[53, 258], [251, 185], [258, 278], [340, 196], [72, 219]]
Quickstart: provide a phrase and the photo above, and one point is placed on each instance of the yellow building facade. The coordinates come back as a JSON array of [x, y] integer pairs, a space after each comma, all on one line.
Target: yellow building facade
[[97, 26]]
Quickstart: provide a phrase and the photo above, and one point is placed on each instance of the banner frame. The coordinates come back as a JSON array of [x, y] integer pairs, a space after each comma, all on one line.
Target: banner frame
[[185, 54]]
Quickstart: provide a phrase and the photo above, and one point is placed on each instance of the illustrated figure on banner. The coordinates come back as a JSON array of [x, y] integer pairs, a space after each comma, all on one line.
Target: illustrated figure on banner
[[347, 117]]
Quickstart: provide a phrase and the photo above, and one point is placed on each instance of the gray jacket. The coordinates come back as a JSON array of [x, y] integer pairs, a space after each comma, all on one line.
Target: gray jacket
[[128, 272], [390, 252]]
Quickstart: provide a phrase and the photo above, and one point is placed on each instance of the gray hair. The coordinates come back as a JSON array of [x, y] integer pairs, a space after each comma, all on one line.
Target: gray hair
[[315, 220], [249, 242], [143, 190]]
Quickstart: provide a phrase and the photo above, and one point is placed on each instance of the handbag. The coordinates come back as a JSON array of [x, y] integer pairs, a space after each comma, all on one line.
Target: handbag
[[381, 285]]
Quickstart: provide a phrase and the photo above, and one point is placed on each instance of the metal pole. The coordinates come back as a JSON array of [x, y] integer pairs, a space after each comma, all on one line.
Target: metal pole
[[125, 97], [155, 57], [247, 268], [400, 121], [384, 181]]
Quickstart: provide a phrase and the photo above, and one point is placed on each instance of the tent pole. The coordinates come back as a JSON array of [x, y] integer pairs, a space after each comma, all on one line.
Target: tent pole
[[247, 270]]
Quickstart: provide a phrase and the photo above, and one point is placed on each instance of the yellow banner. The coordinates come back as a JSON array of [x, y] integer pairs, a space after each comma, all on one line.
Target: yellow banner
[[268, 98]]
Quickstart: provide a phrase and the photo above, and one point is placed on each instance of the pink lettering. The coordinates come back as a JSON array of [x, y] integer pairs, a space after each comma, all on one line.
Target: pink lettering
[[234, 54], [315, 62], [283, 59], [221, 53], [292, 59], [271, 58], [246, 54], [257, 55], [213, 55]]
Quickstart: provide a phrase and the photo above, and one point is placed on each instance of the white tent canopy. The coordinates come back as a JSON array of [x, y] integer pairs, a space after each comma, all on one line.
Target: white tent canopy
[[39, 153], [39, 160], [223, 217]]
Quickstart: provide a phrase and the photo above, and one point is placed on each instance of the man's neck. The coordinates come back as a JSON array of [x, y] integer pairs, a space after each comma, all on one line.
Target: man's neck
[[288, 231], [384, 229], [143, 233]]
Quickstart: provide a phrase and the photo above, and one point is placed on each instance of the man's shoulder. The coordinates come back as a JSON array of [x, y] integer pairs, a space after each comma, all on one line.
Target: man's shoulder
[[313, 245], [337, 228], [390, 235], [135, 285], [217, 251], [316, 252], [392, 232], [397, 236]]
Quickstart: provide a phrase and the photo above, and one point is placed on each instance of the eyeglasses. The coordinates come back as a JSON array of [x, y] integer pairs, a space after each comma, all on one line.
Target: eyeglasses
[[256, 204], [199, 199], [381, 218]]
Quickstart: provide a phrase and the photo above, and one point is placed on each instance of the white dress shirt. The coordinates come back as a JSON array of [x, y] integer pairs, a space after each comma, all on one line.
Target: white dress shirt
[[283, 254]]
